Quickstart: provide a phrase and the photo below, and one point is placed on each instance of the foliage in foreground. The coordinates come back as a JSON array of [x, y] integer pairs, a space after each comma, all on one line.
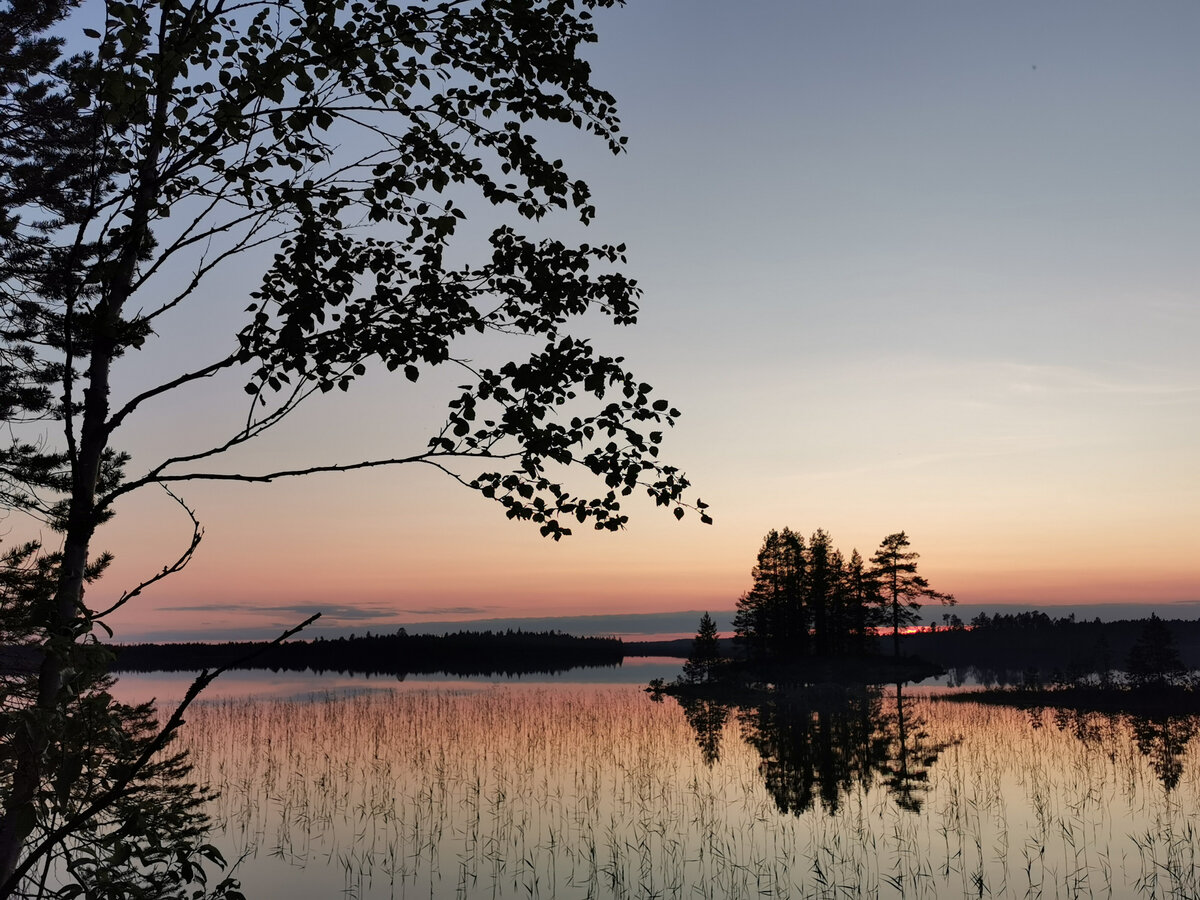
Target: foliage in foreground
[[117, 814], [340, 148]]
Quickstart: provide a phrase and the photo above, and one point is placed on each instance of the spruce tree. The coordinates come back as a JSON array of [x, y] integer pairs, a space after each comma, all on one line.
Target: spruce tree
[[821, 590], [772, 619], [706, 655], [1154, 658], [861, 604]]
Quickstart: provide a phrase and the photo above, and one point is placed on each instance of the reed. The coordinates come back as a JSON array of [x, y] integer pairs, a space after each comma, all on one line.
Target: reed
[[598, 793]]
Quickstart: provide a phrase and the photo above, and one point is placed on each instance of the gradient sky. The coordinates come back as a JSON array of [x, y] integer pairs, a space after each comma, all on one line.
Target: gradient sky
[[922, 266]]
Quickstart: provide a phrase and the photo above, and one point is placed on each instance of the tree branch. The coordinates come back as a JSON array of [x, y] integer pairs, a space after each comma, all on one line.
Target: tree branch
[[118, 788], [177, 566], [429, 459], [207, 372]]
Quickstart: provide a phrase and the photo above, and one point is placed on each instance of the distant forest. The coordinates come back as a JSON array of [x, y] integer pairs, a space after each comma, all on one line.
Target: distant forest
[[998, 647], [461, 653], [1059, 649]]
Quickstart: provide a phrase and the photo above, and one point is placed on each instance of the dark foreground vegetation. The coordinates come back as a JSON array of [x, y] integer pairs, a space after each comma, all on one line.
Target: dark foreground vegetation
[[462, 653], [316, 163]]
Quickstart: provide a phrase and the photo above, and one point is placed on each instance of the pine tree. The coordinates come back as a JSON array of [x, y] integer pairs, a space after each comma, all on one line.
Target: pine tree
[[901, 589]]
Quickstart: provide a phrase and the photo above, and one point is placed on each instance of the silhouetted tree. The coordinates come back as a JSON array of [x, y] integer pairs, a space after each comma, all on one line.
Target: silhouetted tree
[[187, 135], [771, 618], [128, 821], [1154, 658], [705, 657], [860, 606], [807, 600], [894, 569], [821, 594]]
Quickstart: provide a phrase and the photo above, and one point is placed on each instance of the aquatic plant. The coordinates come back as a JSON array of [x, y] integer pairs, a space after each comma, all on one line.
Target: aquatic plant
[[570, 791]]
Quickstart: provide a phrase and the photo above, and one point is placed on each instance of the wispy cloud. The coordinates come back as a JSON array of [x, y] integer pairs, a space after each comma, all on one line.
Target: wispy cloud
[[448, 611], [332, 613], [1029, 378]]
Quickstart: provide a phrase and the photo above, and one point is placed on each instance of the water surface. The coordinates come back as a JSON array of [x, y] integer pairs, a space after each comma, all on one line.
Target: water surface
[[559, 789]]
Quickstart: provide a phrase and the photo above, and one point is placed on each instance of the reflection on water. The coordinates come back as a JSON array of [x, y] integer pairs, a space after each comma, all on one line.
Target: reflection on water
[[817, 745], [1162, 739], [587, 791], [169, 687]]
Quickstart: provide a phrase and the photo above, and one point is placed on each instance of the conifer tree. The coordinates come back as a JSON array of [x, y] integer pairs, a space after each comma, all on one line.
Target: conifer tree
[[821, 591], [894, 569], [862, 603], [1154, 658], [702, 664], [772, 619]]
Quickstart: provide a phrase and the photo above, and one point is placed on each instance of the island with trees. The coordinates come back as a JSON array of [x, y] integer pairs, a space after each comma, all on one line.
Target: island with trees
[[813, 613], [814, 616], [809, 687]]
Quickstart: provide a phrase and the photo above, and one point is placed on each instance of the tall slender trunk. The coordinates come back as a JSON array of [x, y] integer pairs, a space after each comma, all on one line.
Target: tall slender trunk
[[64, 623], [896, 610]]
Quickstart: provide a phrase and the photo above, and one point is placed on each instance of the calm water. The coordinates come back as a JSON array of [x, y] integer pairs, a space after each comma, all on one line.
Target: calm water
[[562, 790]]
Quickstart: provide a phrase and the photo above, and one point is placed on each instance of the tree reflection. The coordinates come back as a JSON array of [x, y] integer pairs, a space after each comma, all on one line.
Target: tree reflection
[[707, 718], [818, 745], [1161, 738], [908, 751], [815, 745]]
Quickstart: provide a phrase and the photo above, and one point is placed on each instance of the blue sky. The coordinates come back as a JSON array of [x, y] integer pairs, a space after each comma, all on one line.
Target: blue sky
[[927, 266]]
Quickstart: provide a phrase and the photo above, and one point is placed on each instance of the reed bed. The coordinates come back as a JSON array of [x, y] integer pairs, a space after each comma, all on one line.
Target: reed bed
[[599, 793]]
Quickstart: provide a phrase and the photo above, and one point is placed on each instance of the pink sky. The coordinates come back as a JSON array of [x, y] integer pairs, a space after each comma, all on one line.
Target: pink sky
[[918, 267]]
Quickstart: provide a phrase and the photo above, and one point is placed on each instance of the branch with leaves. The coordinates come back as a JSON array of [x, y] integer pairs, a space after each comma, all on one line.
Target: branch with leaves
[[347, 146]]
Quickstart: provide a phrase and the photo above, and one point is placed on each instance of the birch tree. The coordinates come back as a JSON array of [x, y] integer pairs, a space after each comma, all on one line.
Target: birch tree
[[345, 142]]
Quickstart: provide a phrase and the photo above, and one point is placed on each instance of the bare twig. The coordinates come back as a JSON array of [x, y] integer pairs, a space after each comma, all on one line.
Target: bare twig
[[177, 566], [118, 789]]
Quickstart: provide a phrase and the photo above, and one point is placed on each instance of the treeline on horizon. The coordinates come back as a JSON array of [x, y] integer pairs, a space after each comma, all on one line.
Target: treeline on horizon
[[1061, 648], [1058, 648], [510, 652]]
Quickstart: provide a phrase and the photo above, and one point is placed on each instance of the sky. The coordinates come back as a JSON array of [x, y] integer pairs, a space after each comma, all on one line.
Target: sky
[[921, 266]]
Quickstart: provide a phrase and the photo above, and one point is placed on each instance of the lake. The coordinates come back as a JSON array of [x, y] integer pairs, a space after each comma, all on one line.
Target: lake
[[369, 788]]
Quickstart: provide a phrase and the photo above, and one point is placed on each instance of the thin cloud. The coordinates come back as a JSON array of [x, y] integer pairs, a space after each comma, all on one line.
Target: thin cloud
[[329, 611]]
